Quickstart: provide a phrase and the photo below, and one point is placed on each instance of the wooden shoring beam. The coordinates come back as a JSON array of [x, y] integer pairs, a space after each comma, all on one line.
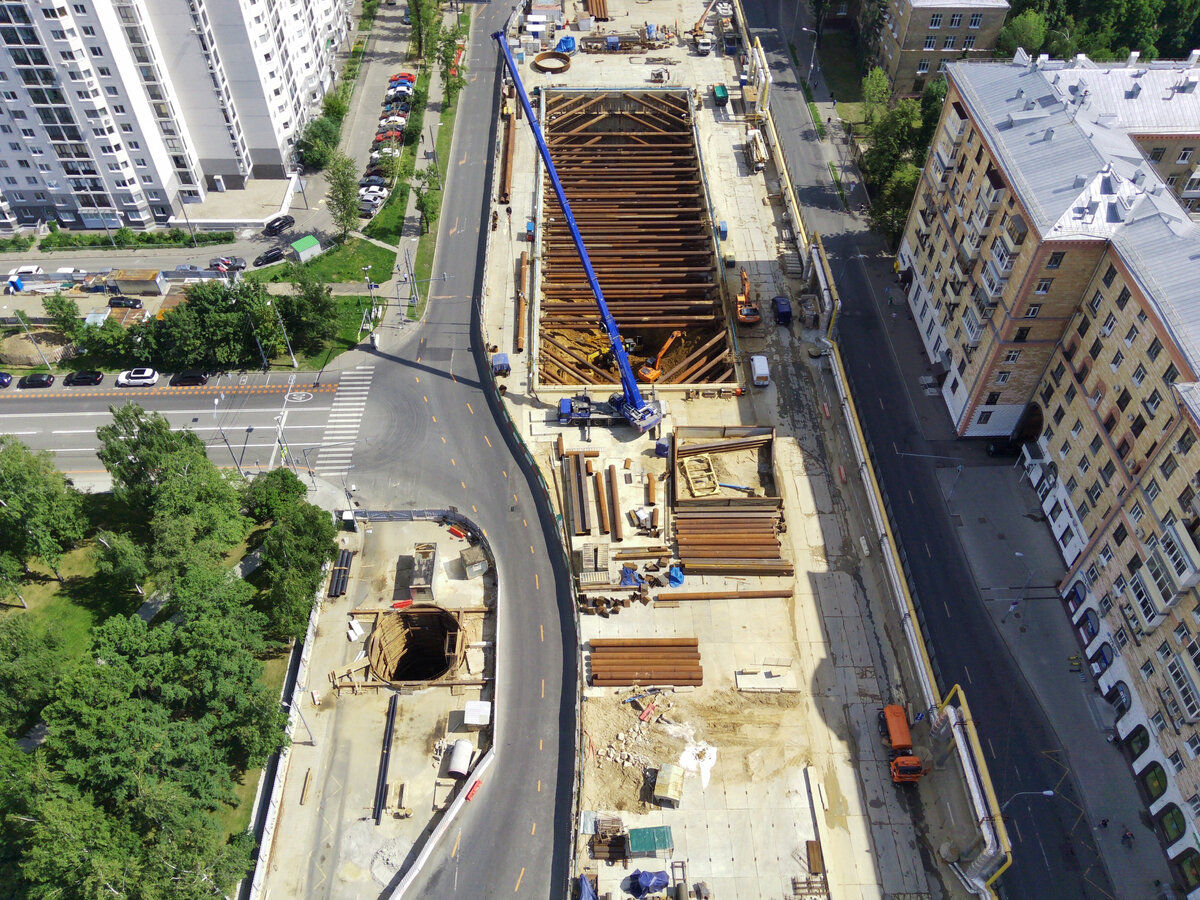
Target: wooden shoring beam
[[567, 367], [695, 355], [608, 378]]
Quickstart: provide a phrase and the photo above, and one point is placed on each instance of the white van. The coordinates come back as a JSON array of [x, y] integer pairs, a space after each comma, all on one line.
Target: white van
[[760, 374], [25, 270]]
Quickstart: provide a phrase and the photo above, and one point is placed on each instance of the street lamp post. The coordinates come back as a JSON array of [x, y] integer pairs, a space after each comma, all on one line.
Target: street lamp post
[[812, 57], [433, 149], [104, 222], [287, 342], [1004, 806], [283, 445], [183, 206], [1015, 605]]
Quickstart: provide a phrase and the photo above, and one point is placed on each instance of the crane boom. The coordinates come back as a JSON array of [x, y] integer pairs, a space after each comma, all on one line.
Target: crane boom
[[629, 403]]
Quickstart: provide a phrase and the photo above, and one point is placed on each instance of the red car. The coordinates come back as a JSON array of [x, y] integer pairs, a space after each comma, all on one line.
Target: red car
[[403, 76], [389, 136]]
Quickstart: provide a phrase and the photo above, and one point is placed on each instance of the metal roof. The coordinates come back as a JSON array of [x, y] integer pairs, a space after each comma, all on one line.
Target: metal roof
[[1062, 133]]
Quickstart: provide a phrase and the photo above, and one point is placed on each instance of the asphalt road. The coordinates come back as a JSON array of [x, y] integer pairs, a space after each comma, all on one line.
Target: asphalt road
[[1051, 844], [245, 420], [432, 437]]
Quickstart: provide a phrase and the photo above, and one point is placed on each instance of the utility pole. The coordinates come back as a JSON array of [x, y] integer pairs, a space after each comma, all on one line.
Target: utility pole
[[286, 341], [183, 205]]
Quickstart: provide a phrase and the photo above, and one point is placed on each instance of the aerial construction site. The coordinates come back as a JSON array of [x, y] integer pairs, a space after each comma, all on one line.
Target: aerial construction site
[[733, 671]]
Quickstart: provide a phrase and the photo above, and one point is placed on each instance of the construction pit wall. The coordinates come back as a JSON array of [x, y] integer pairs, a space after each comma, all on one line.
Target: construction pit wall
[[648, 226]]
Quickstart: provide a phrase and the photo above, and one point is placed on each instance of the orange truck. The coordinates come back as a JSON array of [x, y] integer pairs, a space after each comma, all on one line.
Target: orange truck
[[893, 728]]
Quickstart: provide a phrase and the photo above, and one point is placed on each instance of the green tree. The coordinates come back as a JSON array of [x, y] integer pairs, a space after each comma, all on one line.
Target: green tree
[[342, 196], [120, 562], [890, 210], [819, 10], [428, 197], [933, 98], [309, 311], [299, 543], [141, 451], [271, 495], [41, 513], [334, 106], [107, 341], [453, 76], [318, 142], [63, 312], [29, 667], [893, 137], [876, 91], [1027, 30]]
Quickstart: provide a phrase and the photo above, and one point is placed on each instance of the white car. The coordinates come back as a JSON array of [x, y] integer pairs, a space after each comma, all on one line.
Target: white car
[[137, 378], [400, 89], [385, 151], [372, 193], [393, 121]]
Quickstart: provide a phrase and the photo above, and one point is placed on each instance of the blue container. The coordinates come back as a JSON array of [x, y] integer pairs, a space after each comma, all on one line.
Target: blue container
[[723, 230]]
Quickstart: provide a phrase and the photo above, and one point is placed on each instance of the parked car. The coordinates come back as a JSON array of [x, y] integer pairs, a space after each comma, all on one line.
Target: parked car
[[389, 136], [399, 89], [189, 379], [371, 181], [1006, 447], [402, 76], [140, 377], [374, 172], [278, 225], [224, 263], [275, 254], [5, 379], [394, 121], [87, 377], [396, 106], [189, 267], [386, 151], [121, 302], [40, 380]]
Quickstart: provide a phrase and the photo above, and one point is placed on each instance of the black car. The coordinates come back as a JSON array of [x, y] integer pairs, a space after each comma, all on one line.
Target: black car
[[84, 378], [275, 254], [5, 379], [227, 263], [125, 302], [278, 225], [40, 380], [189, 379]]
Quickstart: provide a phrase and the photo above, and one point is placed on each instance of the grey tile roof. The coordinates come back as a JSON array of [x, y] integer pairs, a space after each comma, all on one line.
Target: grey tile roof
[[1061, 135]]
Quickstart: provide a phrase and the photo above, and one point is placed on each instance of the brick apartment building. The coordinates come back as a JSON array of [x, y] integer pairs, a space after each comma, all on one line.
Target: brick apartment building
[[918, 38], [1053, 271]]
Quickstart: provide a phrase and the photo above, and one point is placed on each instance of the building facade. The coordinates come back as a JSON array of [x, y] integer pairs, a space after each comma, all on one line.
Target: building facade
[[1055, 279], [118, 111], [915, 39]]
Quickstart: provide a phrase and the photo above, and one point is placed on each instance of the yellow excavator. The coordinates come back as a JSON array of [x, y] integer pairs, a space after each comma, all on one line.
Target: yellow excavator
[[747, 310], [651, 371]]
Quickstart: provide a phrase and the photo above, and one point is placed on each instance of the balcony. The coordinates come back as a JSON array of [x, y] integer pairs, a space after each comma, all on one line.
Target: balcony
[[956, 122], [1182, 555], [984, 304], [1013, 235], [972, 330]]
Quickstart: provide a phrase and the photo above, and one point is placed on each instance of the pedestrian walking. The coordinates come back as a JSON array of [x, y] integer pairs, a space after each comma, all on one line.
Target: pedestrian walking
[[1127, 838], [1104, 823], [1012, 608]]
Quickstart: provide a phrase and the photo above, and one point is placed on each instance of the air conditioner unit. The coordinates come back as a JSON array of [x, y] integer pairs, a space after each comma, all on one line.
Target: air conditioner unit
[[1140, 532], [1196, 480], [1106, 331]]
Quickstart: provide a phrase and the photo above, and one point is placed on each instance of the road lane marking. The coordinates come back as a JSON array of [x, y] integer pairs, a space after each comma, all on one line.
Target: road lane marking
[[543, 688], [515, 500], [967, 671], [464, 484], [947, 608], [443, 440], [519, 877], [523, 522], [540, 743], [173, 412], [452, 462], [489, 443], [531, 550], [533, 830], [469, 407], [542, 631], [418, 378], [434, 419], [473, 509], [456, 840], [505, 472], [537, 582], [539, 785], [426, 398]]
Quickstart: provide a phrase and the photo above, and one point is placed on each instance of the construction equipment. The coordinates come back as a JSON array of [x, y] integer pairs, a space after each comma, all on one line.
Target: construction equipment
[[906, 767], [651, 371], [628, 403], [700, 34], [660, 76], [747, 310]]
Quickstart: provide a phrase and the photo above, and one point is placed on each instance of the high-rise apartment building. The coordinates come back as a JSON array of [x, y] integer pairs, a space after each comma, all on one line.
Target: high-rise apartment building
[[1054, 274], [119, 111]]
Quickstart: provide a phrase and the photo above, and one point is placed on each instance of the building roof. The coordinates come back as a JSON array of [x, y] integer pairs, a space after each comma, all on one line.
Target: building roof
[[1062, 132], [305, 243], [649, 841]]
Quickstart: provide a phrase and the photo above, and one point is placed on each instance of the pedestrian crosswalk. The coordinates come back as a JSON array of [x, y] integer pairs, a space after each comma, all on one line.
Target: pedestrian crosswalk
[[345, 417]]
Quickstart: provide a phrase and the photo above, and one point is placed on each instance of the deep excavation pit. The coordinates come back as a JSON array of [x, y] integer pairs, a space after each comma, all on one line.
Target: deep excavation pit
[[417, 644]]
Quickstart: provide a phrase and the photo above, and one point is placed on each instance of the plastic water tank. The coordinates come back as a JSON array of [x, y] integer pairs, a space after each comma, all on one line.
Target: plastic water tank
[[460, 758]]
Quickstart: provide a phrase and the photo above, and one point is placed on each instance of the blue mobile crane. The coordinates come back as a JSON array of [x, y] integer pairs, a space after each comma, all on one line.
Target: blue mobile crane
[[628, 404]]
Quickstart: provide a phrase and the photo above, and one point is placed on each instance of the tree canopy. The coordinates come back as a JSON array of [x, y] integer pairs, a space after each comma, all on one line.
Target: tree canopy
[[41, 515], [1105, 29], [342, 194]]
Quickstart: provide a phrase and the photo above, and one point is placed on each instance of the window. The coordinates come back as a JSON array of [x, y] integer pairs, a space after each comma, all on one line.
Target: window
[[930, 42], [96, 51], [1158, 723], [1064, 450], [948, 44], [984, 418], [1121, 637], [1072, 485], [923, 67], [1131, 335], [935, 21], [104, 72], [969, 42], [80, 9], [1093, 492], [1022, 335], [1184, 155], [1076, 429], [1168, 467], [1002, 377], [1055, 260], [1156, 154], [1117, 359], [1152, 489], [88, 31], [1147, 669], [992, 399], [1095, 445], [111, 91], [1110, 276], [956, 20], [1094, 303], [1139, 375], [1123, 298], [1154, 349], [1153, 402], [1176, 761], [976, 20], [1171, 375], [1011, 356], [1032, 311]]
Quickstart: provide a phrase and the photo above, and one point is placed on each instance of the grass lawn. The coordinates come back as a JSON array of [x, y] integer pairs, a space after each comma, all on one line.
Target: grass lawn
[[340, 265], [839, 68]]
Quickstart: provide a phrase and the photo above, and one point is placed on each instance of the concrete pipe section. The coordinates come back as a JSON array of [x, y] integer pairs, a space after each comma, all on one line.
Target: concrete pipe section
[[552, 62]]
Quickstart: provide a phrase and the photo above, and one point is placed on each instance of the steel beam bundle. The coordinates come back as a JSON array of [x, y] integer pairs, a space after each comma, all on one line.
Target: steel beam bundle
[[730, 541], [620, 662], [629, 165]]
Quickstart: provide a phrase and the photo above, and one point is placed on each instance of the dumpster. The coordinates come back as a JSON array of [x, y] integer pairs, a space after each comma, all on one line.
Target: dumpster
[[500, 366], [720, 94]]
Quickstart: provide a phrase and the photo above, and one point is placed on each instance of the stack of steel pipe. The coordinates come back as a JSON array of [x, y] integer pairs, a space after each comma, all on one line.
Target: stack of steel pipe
[[621, 662], [730, 541]]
